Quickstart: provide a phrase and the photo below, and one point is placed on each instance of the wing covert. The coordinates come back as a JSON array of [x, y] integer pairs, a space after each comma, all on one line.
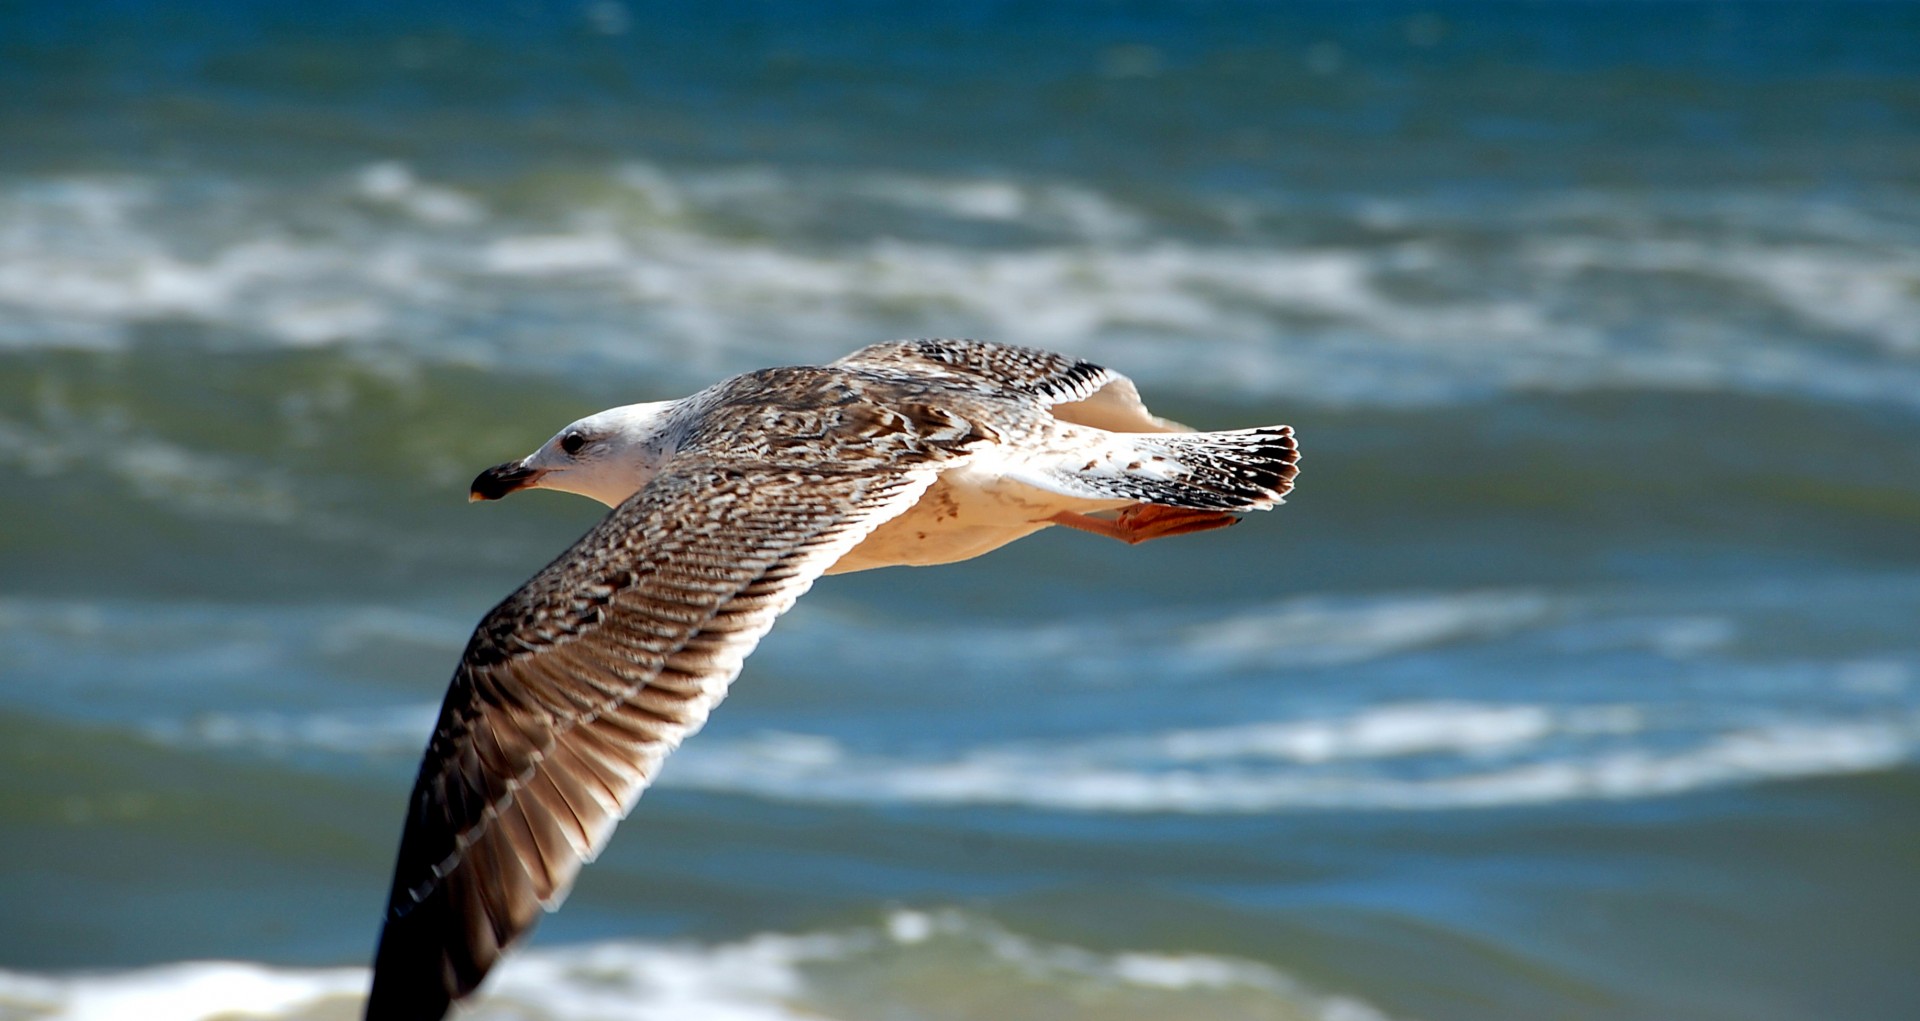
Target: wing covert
[[1076, 391]]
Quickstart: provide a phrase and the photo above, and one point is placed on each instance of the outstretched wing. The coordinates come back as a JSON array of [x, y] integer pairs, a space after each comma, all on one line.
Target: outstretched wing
[[573, 690], [1079, 392]]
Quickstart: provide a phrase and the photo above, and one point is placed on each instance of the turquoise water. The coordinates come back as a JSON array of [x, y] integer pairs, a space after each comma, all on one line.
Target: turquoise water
[[1580, 678]]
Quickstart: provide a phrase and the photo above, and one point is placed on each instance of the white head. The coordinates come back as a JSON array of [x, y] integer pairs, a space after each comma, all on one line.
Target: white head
[[607, 456]]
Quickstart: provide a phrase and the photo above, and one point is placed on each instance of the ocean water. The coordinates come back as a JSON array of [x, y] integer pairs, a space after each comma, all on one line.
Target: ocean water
[[1579, 680]]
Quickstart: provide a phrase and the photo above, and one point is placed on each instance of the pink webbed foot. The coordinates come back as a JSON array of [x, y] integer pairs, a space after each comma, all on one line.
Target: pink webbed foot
[[1144, 521]]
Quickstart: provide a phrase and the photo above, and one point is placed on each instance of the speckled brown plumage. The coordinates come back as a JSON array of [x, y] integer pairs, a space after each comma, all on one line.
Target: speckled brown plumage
[[574, 689]]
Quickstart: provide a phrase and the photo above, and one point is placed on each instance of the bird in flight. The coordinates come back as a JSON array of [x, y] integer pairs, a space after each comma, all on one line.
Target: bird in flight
[[727, 506]]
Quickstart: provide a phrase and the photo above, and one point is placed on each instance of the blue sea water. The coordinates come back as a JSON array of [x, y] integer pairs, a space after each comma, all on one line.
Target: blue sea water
[[1580, 679]]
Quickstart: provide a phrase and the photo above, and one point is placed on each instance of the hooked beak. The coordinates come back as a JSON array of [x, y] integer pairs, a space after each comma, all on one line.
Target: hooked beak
[[502, 479]]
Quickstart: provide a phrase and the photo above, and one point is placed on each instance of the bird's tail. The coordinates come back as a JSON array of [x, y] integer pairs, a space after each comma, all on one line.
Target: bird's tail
[[1236, 470]]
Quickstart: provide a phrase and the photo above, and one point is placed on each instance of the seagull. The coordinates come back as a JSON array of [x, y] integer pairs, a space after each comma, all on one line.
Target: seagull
[[727, 506]]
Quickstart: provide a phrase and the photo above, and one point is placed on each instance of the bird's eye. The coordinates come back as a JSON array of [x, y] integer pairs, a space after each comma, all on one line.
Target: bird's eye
[[572, 442]]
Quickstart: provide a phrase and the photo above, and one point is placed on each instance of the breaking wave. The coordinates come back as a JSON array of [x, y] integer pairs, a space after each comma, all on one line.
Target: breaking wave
[[1550, 698], [1403, 757], [717, 269], [941, 964], [1395, 756]]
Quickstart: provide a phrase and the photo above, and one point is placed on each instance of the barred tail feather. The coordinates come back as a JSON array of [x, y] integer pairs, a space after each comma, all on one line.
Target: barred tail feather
[[1236, 470]]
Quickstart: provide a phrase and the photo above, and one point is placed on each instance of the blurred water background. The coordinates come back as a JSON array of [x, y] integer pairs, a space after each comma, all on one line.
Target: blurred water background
[[1580, 680]]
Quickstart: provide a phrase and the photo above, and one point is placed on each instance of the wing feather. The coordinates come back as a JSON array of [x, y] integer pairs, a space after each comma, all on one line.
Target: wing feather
[[1055, 378], [1076, 391], [573, 690]]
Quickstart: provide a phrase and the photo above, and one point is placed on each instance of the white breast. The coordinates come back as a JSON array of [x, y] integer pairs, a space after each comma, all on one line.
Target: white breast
[[972, 509]]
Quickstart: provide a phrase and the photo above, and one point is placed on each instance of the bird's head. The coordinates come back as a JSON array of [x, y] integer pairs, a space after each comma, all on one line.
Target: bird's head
[[607, 456]]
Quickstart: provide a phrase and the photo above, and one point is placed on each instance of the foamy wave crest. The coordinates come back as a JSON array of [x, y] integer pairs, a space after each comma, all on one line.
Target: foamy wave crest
[[198, 991], [925, 964], [1306, 632], [721, 268], [1440, 756]]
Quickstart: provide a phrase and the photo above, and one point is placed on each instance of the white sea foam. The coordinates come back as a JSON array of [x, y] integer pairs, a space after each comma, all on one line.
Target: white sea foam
[[1485, 759], [1396, 756], [1391, 731], [1857, 289], [1678, 707], [552, 254], [1297, 633], [918, 963], [198, 991], [725, 268], [395, 184], [1076, 211]]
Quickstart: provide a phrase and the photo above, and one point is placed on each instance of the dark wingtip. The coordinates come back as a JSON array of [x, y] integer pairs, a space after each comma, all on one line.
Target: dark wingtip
[[409, 979], [438, 948]]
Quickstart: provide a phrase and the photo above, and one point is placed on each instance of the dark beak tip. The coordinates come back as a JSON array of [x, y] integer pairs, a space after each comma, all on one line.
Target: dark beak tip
[[501, 480]]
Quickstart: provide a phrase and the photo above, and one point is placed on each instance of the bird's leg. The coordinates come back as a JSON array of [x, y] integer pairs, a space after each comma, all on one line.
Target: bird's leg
[[1143, 521], [1155, 521]]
